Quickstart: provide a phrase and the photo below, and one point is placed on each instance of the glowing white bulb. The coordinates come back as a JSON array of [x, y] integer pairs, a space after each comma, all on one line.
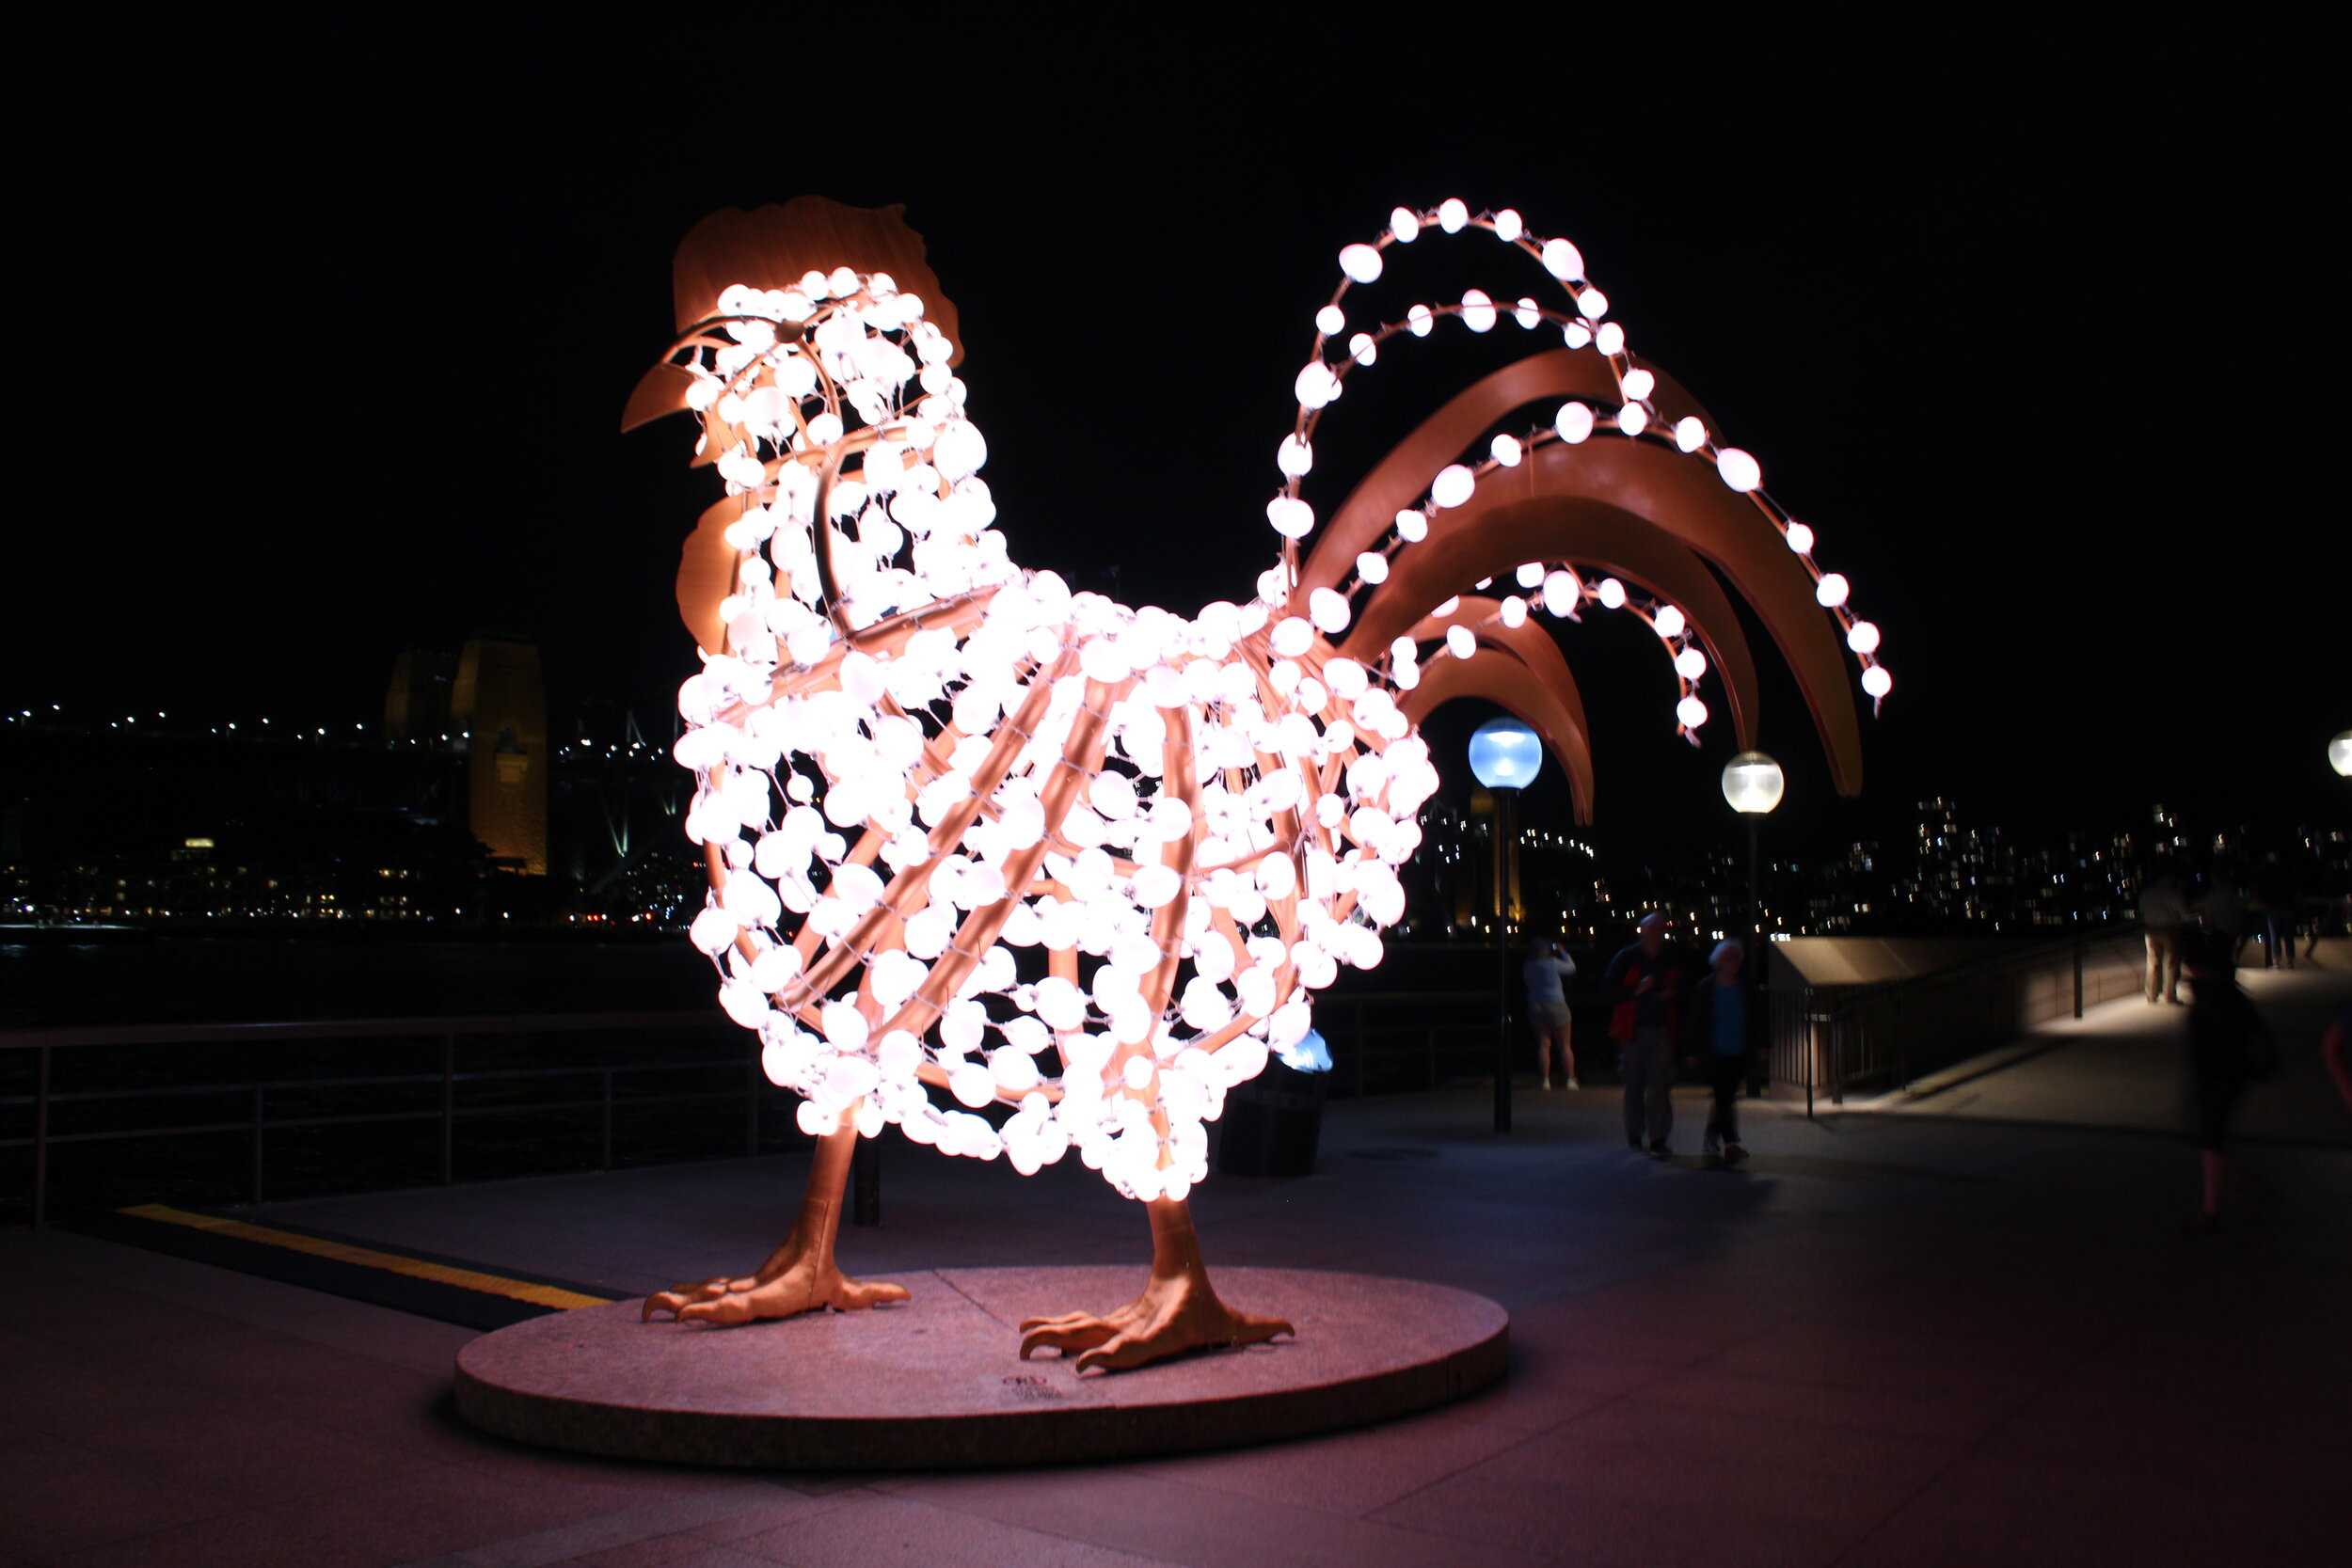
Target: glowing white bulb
[[1361, 262], [1412, 525], [1460, 642], [1478, 310], [1690, 435], [1800, 538], [1561, 593], [1830, 590], [1361, 348], [1668, 622], [1574, 422], [1292, 636], [1372, 566], [1418, 321], [1404, 224], [1610, 338], [1328, 610], [1292, 518], [1632, 418], [1863, 638], [1592, 304], [1514, 611], [1316, 384], [1561, 261], [1611, 593], [1692, 712], [1508, 226], [1876, 681], [1294, 457], [1530, 574], [971, 1083], [1690, 664], [1576, 334], [1526, 314], [1452, 214], [1330, 320], [1739, 469], [1505, 449], [1453, 485]]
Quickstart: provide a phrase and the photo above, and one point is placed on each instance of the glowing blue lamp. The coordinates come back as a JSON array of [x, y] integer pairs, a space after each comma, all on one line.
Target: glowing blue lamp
[[1505, 755]]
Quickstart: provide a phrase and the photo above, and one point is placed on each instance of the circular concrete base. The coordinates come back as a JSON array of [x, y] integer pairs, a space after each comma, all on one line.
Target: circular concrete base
[[937, 1381]]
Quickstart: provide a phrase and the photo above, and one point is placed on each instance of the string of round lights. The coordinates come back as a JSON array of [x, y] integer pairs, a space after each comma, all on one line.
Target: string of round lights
[[1635, 417]]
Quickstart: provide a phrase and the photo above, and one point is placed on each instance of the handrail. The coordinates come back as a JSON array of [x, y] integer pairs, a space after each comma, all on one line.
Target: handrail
[[48, 1043], [68, 1035]]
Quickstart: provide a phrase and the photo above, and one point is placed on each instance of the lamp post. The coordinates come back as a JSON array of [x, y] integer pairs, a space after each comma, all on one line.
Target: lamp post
[[1753, 782], [1505, 755]]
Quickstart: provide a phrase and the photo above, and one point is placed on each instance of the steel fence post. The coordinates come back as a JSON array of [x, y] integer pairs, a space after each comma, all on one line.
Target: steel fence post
[[449, 1105], [40, 1142]]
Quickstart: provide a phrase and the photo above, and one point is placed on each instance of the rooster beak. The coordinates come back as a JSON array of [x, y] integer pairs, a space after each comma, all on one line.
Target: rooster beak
[[661, 390]]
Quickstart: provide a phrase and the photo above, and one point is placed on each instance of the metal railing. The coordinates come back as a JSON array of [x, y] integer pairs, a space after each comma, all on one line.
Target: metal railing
[[135, 1100], [1828, 1040], [160, 1088], [1387, 1042]]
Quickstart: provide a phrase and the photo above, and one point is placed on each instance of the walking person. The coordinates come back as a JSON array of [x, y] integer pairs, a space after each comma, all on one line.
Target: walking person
[[2229, 1046], [2221, 909], [2335, 1042], [1648, 980], [1548, 971], [2164, 913], [1723, 1029], [2275, 886]]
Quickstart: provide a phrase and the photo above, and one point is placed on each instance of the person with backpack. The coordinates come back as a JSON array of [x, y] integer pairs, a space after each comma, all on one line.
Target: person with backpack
[[1648, 980], [2230, 1046]]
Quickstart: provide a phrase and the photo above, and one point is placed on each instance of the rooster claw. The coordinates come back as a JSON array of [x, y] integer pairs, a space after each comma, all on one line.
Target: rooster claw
[[804, 1287], [1171, 1317]]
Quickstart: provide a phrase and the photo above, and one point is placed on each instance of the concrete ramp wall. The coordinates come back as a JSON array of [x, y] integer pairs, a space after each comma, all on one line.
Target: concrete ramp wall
[[1885, 1010]]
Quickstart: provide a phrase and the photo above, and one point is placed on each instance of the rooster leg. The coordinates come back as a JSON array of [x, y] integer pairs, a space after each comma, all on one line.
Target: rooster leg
[[801, 1275], [1177, 1312]]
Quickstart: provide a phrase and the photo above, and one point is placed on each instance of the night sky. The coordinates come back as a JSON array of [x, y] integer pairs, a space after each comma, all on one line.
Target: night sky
[[2041, 329]]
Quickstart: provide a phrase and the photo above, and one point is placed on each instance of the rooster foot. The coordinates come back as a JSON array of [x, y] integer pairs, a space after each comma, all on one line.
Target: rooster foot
[[1174, 1314], [802, 1285], [800, 1275]]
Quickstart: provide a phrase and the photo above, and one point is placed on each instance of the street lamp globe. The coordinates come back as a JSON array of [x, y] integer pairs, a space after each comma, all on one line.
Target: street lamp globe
[[1752, 783], [1505, 755], [2339, 754]]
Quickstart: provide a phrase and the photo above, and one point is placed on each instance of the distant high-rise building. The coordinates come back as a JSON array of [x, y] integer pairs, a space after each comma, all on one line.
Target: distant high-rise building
[[499, 706], [416, 708]]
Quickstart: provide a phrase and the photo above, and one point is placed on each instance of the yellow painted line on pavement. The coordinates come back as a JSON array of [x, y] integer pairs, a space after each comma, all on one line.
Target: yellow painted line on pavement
[[343, 1252]]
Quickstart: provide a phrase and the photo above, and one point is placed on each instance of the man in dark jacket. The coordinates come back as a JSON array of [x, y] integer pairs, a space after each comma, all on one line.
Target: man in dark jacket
[[1649, 981], [1723, 1029]]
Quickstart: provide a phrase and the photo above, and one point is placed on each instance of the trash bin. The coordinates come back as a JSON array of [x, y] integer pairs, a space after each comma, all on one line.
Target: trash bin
[[1272, 1122]]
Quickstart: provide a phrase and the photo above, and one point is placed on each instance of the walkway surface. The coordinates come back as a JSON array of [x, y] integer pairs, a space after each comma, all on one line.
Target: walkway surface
[[1959, 1329]]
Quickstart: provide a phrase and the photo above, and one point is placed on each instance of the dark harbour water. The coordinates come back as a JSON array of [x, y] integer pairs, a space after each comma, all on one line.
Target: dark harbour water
[[246, 980]]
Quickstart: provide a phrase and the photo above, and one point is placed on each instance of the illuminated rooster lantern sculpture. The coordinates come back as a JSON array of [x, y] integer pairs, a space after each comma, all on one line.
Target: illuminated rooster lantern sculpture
[[977, 841]]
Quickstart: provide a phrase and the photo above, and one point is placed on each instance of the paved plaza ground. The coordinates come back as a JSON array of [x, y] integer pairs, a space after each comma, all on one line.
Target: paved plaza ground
[[1965, 1328]]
